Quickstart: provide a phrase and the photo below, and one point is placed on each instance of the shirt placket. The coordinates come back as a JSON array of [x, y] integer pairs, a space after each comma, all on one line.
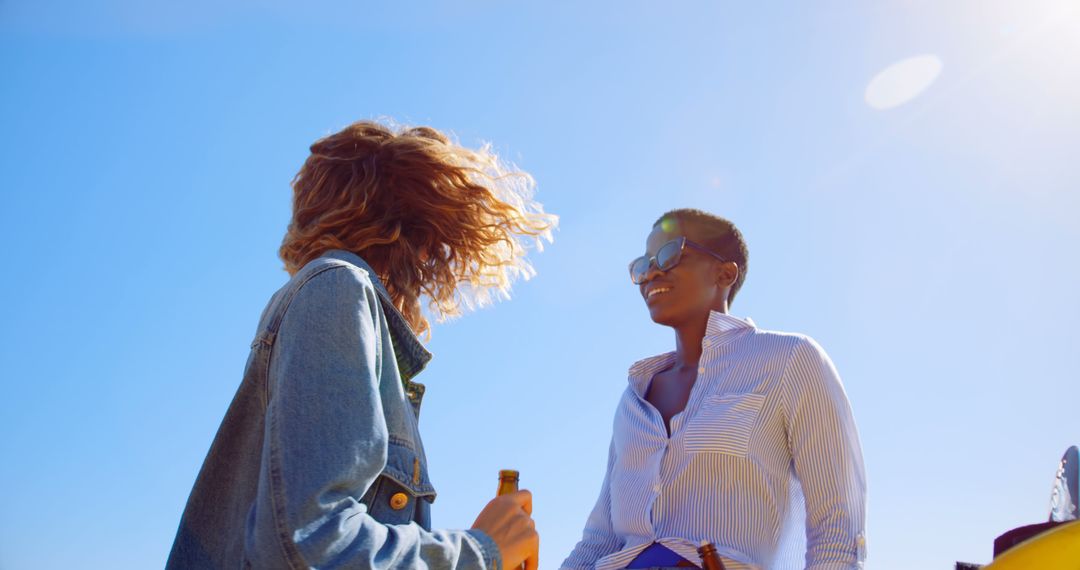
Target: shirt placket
[[669, 463]]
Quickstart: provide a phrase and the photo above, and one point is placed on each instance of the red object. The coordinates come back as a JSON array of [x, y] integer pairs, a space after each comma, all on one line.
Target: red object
[[1020, 534]]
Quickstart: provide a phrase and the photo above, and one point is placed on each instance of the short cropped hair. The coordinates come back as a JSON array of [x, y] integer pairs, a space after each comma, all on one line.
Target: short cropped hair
[[718, 234], [431, 217]]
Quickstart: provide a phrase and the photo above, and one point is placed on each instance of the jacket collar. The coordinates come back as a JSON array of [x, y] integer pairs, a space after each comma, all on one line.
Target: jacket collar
[[410, 353]]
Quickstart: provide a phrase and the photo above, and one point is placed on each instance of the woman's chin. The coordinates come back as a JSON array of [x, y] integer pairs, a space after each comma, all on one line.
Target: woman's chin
[[662, 317]]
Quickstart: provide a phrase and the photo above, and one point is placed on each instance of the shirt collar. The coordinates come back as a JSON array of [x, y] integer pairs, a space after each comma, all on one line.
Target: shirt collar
[[409, 352], [721, 329], [720, 325]]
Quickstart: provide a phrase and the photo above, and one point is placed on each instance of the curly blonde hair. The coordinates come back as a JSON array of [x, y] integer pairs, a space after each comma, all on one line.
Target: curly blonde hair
[[431, 217]]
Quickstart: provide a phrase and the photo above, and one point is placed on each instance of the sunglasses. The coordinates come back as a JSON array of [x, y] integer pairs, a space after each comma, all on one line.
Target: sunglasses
[[669, 255]]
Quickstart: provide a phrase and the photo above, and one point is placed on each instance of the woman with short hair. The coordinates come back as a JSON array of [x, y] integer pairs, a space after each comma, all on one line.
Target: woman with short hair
[[729, 437]]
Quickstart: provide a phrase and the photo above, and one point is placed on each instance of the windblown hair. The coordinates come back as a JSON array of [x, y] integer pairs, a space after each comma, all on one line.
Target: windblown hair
[[716, 233], [431, 217]]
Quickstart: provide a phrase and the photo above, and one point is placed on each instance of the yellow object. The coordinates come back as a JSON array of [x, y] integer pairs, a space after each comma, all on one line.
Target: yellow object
[[1055, 549], [398, 501]]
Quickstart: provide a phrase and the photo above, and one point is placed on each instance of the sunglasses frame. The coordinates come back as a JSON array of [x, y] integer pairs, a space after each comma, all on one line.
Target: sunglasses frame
[[683, 242]]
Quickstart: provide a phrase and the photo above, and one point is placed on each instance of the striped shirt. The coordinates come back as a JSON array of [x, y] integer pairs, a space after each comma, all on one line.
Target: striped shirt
[[765, 448]]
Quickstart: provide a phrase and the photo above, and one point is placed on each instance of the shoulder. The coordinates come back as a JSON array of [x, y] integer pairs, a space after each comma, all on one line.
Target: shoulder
[[797, 359], [324, 286], [650, 365], [790, 344], [333, 278], [328, 270], [806, 366]]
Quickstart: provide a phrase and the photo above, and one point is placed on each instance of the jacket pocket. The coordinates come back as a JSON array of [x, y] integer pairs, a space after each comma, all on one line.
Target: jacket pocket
[[395, 495], [724, 424]]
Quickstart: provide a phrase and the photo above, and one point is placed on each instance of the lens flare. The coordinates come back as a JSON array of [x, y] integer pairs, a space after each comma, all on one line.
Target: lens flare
[[669, 225], [902, 81]]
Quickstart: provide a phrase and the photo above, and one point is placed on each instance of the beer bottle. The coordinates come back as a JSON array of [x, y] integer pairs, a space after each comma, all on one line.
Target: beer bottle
[[508, 482], [710, 559]]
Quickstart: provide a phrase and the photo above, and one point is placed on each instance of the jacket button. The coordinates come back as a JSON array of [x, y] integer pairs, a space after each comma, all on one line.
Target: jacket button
[[398, 501]]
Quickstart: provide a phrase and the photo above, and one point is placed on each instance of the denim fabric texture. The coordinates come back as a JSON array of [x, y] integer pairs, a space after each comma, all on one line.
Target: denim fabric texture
[[318, 462]]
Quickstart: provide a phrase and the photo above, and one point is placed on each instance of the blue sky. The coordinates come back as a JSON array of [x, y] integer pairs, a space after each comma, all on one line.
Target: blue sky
[[929, 247]]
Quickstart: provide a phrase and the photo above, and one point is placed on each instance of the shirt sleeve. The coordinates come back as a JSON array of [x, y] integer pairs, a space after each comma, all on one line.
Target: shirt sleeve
[[598, 539], [828, 460], [326, 441]]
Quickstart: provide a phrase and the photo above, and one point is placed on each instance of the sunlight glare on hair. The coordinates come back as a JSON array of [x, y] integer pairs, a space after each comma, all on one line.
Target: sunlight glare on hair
[[669, 225]]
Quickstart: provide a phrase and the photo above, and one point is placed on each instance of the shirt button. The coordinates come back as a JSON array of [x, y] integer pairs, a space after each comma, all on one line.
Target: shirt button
[[701, 370], [398, 501], [656, 488]]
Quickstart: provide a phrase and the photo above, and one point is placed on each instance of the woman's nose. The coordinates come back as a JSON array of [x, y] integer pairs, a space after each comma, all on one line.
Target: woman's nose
[[652, 271]]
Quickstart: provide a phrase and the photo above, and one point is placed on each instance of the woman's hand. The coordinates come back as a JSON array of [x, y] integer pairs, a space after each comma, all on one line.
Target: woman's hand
[[508, 521]]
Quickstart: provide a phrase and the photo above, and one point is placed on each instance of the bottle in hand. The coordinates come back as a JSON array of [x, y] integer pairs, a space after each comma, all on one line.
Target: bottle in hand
[[710, 559], [508, 482]]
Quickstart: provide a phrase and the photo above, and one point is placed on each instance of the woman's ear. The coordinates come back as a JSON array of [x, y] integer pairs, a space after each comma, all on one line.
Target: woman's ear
[[728, 273]]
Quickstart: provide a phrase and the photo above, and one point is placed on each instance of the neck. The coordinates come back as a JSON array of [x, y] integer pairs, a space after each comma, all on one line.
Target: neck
[[688, 339]]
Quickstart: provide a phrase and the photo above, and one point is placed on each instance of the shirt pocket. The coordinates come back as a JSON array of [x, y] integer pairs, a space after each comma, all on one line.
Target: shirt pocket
[[724, 424], [395, 496]]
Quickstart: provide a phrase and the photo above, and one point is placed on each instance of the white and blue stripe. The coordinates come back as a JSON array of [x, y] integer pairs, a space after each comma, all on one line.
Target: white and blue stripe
[[765, 449]]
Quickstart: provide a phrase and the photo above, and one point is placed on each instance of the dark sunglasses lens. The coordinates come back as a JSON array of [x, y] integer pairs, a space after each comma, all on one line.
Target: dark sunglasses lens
[[638, 268], [668, 256]]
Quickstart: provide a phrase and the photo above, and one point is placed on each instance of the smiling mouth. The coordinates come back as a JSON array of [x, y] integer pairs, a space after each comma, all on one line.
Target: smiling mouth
[[657, 291]]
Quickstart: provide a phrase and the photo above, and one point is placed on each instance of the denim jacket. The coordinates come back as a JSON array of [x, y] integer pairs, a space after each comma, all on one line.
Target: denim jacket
[[318, 462]]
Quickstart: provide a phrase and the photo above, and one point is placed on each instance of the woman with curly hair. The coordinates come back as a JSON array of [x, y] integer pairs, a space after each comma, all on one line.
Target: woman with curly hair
[[318, 461]]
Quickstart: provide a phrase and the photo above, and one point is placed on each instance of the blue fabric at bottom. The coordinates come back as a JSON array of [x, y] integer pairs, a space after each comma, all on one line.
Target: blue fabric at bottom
[[659, 556]]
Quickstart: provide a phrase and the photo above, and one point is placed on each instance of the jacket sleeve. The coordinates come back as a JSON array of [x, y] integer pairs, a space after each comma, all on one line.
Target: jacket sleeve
[[598, 539], [828, 460], [326, 442]]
